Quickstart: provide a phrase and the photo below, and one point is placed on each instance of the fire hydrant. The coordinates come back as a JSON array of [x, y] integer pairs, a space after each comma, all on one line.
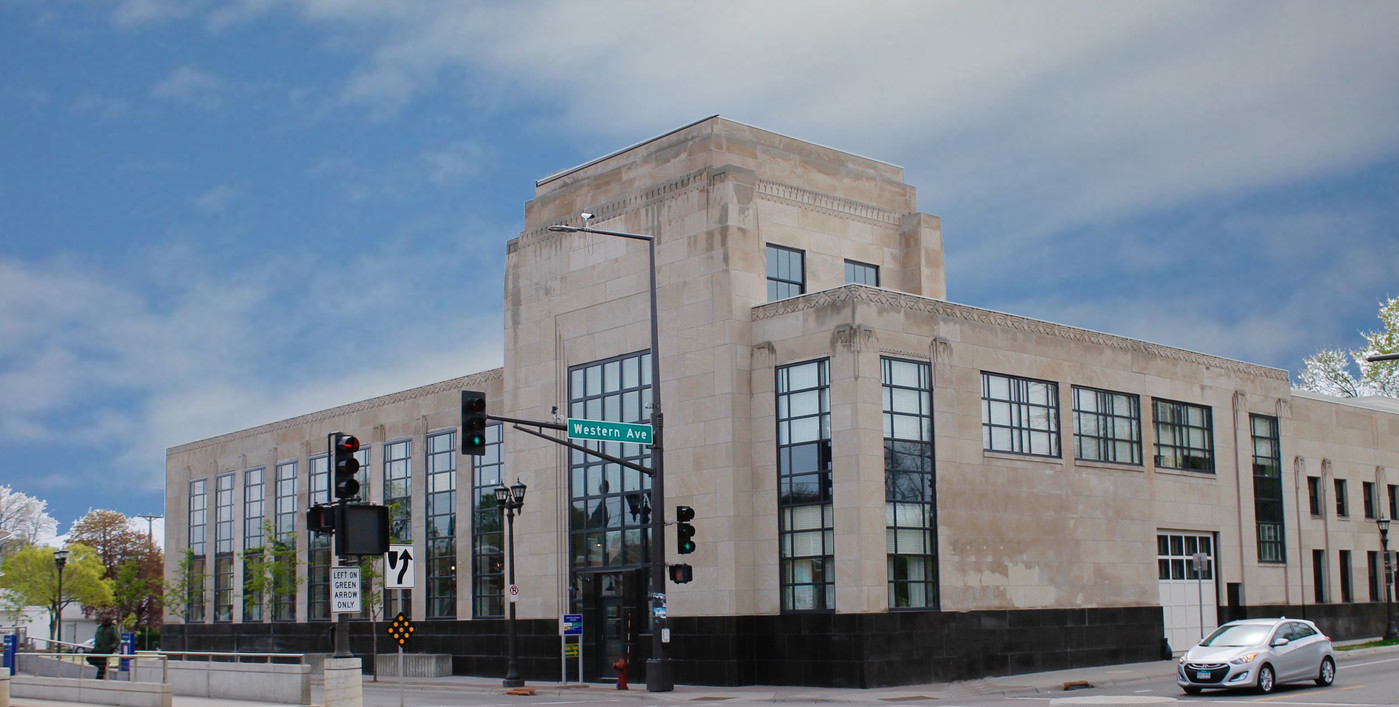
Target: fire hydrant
[[621, 667]]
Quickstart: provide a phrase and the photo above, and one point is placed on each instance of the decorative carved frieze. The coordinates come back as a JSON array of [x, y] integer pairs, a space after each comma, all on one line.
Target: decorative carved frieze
[[609, 210], [476, 379], [943, 308], [829, 204], [853, 338]]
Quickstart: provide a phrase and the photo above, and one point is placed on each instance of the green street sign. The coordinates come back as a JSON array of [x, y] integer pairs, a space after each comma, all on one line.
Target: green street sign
[[609, 431]]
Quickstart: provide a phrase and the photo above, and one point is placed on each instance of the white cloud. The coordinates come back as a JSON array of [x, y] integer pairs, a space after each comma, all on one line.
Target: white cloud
[[217, 199], [192, 86]]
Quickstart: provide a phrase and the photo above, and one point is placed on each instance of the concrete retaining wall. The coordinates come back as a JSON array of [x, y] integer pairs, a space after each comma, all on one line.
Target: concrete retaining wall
[[92, 692], [260, 682]]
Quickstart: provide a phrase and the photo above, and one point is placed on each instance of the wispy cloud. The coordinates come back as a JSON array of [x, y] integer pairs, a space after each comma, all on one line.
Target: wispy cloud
[[217, 199], [194, 87]]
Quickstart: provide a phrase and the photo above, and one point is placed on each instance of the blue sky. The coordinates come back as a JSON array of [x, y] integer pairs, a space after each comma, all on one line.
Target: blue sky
[[219, 214]]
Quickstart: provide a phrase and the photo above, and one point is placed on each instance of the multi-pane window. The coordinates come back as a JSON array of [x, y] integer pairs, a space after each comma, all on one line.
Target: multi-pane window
[[1393, 502], [442, 525], [910, 500], [1372, 564], [1347, 591], [806, 521], [223, 547], [1019, 415], [1107, 426], [198, 519], [1267, 488], [1342, 509], [610, 505], [863, 273], [1314, 495], [786, 272], [254, 490], [1175, 556], [1367, 489], [318, 557], [1319, 576], [398, 496], [487, 538], [1184, 436], [284, 522]]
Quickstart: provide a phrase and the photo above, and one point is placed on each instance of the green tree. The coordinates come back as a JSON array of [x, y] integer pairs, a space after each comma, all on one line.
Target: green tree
[[269, 573], [132, 561], [1329, 370], [184, 594], [31, 578]]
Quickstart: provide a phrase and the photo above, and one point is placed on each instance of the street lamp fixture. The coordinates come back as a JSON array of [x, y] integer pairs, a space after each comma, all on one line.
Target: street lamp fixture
[[510, 500], [659, 673], [1391, 632], [60, 558]]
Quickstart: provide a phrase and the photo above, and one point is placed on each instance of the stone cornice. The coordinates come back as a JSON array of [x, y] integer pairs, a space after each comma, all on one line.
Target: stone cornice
[[943, 308], [828, 204], [474, 379], [608, 210]]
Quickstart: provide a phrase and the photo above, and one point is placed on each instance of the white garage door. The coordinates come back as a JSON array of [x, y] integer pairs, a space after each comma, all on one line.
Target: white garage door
[[1188, 599]]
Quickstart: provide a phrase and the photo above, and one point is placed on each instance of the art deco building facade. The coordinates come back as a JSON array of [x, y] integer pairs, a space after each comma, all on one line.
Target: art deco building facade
[[890, 487]]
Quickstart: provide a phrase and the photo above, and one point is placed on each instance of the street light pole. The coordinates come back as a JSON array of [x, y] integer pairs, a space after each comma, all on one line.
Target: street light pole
[[659, 675], [1391, 632], [511, 500], [60, 558]]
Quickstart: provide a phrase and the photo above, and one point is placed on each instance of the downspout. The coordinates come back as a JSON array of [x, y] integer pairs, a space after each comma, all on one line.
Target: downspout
[[1299, 472]]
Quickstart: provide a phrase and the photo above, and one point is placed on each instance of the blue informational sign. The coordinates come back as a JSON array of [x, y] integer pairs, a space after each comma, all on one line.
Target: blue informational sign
[[128, 647], [11, 646], [572, 624]]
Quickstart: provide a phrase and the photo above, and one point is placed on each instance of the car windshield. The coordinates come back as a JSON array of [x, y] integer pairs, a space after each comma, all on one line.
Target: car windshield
[[1238, 635]]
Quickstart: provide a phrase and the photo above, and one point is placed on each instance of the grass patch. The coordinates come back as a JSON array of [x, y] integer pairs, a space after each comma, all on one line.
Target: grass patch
[[1371, 644]]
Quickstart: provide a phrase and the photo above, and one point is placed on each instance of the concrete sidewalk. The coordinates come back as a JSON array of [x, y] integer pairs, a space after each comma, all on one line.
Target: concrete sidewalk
[[1058, 681]]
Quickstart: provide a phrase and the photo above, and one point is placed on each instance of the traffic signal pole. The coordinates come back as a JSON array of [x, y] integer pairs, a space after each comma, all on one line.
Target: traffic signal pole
[[660, 675]]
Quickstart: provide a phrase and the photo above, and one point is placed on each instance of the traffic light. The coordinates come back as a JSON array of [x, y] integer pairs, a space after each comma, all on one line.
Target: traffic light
[[473, 422], [320, 519], [344, 464], [684, 532], [681, 574]]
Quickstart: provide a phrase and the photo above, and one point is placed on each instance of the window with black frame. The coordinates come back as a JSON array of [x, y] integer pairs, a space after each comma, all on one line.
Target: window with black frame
[[487, 536], [223, 547], [398, 490], [441, 525], [806, 518], [318, 551], [1184, 436], [284, 521], [610, 505], [198, 518], [1019, 415], [862, 273], [910, 489], [786, 272], [254, 510], [1267, 488], [1107, 426]]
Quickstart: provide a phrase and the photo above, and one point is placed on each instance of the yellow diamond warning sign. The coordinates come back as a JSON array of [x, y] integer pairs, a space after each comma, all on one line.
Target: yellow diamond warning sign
[[400, 629]]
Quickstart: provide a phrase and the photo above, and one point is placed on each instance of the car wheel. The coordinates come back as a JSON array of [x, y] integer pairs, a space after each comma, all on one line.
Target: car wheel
[[1266, 679], [1192, 690], [1327, 674]]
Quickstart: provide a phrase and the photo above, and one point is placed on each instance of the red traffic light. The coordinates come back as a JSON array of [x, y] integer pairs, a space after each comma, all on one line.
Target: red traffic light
[[347, 444]]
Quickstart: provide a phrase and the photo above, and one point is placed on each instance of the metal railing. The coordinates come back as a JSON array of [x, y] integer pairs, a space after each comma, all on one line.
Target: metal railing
[[82, 660], [235, 657]]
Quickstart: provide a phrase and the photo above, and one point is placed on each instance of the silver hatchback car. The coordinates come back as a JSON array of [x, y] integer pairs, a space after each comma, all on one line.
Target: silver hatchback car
[[1259, 654]]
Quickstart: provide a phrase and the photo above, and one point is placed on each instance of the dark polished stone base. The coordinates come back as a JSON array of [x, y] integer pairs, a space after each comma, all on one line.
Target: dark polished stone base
[[817, 650]]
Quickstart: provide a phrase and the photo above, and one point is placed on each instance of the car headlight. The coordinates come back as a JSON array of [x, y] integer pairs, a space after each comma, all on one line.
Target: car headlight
[[1182, 660], [1245, 658]]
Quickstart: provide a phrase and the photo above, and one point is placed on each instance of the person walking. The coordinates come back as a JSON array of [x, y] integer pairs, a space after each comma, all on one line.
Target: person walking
[[103, 644]]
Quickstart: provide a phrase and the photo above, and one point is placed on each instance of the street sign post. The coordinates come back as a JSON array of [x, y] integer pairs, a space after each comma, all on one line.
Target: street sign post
[[571, 625], [600, 430]]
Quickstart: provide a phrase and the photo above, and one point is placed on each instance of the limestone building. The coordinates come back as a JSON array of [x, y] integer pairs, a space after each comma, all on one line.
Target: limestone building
[[889, 487]]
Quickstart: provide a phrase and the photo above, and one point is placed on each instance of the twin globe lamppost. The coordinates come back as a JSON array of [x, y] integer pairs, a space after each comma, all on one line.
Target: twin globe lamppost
[[60, 558], [511, 499]]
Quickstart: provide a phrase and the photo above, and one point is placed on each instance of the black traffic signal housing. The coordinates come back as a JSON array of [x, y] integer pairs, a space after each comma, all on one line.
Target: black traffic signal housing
[[473, 423], [344, 465], [684, 532], [320, 519], [681, 574]]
